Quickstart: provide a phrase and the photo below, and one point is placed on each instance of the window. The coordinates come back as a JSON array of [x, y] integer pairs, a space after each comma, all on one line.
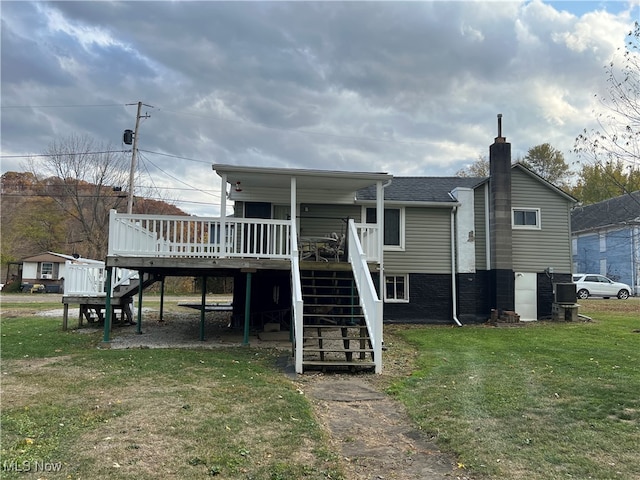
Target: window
[[396, 288], [46, 270], [526, 218], [393, 225]]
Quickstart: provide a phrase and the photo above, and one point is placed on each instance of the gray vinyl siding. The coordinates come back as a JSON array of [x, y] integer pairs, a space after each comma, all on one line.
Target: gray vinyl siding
[[427, 243], [535, 250], [480, 235], [321, 220]]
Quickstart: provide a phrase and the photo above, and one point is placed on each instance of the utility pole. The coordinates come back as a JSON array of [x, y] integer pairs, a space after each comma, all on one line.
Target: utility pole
[[134, 153]]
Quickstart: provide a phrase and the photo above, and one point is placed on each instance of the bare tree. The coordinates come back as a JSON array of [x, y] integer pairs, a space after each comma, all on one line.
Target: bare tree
[[617, 138], [79, 175]]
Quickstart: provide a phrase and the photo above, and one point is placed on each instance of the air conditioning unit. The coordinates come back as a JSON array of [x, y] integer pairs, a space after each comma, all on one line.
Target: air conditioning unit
[[565, 293], [46, 276]]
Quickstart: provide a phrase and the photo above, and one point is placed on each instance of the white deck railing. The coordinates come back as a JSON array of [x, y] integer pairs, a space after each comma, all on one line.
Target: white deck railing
[[181, 236], [369, 301], [368, 236], [84, 280], [89, 279]]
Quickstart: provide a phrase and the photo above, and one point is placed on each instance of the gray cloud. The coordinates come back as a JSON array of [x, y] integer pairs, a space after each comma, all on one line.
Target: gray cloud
[[406, 87]]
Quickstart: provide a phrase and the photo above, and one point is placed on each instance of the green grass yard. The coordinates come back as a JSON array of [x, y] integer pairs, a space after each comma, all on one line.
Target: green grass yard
[[71, 410], [544, 401]]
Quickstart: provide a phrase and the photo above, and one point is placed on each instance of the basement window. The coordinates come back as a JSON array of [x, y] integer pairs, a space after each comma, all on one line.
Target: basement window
[[526, 218], [396, 288]]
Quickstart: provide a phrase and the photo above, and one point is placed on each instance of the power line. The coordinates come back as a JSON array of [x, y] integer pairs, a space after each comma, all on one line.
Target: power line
[[180, 181], [35, 155], [174, 156], [66, 106]]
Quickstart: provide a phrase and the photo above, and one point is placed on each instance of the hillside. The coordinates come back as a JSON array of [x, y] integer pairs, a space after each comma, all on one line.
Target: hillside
[[61, 215]]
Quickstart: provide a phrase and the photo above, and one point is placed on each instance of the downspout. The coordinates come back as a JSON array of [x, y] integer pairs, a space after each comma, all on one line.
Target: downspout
[[454, 291]]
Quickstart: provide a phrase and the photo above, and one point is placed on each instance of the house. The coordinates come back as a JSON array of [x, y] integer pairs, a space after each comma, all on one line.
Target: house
[[332, 254], [606, 239], [457, 248], [46, 269]]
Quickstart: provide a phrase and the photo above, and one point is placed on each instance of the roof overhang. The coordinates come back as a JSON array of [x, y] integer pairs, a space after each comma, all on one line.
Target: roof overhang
[[267, 177], [408, 203]]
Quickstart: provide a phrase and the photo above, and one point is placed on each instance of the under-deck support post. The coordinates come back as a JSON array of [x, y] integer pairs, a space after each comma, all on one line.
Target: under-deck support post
[[140, 286], [162, 299], [107, 307], [202, 307], [65, 316], [247, 310]]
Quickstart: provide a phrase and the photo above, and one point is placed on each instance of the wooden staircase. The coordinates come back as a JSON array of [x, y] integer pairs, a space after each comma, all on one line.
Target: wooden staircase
[[133, 287], [335, 333]]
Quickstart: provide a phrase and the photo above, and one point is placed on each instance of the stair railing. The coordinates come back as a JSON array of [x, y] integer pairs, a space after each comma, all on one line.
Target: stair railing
[[369, 301], [123, 276], [296, 302]]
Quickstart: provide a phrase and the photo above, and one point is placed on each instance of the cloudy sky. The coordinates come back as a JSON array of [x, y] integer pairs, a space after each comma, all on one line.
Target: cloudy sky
[[409, 88]]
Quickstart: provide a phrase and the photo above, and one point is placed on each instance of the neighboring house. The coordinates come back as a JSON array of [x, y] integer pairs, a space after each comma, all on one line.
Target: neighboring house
[[606, 239], [46, 269], [320, 249]]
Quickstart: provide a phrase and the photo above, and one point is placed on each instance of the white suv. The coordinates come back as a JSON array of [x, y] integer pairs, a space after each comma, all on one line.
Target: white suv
[[591, 285]]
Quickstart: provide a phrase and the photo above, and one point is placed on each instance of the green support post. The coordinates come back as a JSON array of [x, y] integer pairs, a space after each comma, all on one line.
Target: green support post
[[202, 307], [139, 324], [107, 307], [162, 299], [247, 311]]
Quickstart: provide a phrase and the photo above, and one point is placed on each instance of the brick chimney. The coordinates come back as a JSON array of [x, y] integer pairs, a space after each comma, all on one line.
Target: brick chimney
[[501, 268]]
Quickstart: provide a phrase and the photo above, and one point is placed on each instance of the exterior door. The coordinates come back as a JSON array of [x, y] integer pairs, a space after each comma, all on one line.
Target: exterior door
[[526, 296]]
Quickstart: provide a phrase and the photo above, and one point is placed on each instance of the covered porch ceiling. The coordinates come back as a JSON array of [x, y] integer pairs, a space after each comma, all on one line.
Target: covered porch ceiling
[[317, 180]]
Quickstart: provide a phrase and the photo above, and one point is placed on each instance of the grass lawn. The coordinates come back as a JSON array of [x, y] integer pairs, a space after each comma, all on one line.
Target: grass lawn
[[544, 401], [71, 410]]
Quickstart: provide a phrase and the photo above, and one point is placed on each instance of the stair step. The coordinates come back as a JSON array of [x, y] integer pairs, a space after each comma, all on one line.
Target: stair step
[[338, 363], [331, 325], [332, 315], [339, 350], [325, 339]]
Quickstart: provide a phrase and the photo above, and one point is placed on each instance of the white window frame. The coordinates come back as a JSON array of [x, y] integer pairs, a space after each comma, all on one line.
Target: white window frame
[[49, 269], [401, 227], [538, 224], [405, 277]]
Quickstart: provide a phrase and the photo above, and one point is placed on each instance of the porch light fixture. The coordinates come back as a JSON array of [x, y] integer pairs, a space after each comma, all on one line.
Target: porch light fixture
[[238, 189]]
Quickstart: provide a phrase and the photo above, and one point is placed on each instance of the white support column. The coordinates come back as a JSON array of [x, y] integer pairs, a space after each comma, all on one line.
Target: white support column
[[293, 209], [223, 216]]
